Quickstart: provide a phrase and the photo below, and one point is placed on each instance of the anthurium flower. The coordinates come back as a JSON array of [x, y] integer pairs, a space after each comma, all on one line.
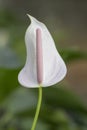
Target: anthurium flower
[[43, 64]]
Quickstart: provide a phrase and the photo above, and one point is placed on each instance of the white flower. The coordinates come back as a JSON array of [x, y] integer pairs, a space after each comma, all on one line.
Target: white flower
[[43, 64]]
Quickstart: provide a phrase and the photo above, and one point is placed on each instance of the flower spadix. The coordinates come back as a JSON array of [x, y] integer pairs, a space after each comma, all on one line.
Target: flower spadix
[[43, 64]]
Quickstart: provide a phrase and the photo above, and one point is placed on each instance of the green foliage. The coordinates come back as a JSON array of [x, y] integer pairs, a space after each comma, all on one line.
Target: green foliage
[[8, 82], [71, 54]]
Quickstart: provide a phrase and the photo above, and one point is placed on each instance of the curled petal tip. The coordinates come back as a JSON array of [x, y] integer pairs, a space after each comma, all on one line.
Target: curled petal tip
[[30, 17]]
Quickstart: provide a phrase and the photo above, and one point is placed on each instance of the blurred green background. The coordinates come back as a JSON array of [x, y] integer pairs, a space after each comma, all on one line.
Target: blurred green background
[[64, 105]]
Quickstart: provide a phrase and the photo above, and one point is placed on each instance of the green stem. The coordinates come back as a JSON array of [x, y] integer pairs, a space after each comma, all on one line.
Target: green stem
[[38, 109]]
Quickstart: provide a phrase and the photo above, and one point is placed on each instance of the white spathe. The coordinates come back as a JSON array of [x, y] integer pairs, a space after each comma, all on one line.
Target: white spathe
[[54, 68]]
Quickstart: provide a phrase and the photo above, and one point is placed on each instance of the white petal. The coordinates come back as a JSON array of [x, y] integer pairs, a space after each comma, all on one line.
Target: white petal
[[54, 68]]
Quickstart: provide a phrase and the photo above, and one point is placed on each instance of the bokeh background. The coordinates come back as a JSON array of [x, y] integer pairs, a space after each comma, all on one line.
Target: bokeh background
[[64, 105]]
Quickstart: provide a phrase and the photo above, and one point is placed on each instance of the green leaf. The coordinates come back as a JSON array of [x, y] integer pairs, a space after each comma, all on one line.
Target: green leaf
[[72, 54], [8, 82], [20, 100], [60, 97]]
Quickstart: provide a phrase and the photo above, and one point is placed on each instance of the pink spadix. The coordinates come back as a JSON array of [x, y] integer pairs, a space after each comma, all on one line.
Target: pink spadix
[[39, 56]]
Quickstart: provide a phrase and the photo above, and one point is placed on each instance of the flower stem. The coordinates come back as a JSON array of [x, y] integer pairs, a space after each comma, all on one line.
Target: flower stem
[[38, 109]]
